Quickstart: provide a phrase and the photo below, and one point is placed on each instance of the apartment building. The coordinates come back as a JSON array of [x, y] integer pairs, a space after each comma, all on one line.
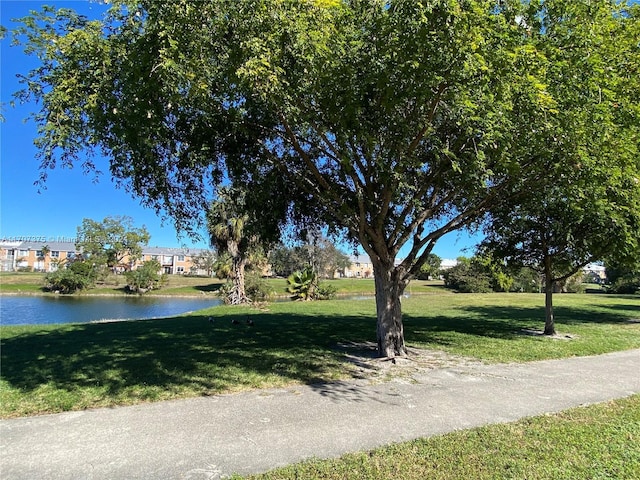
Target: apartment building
[[173, 261], [43, 256], [35, 256], [361, 267]]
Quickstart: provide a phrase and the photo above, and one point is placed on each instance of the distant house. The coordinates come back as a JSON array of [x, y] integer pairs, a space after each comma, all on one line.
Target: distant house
[[361, 267], [596, 271]]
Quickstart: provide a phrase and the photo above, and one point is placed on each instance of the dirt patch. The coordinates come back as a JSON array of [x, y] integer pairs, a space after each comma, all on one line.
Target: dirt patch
[[540, 333], [367, 365]]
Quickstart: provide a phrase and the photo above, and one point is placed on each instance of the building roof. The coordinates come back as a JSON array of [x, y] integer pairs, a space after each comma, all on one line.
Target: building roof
[[37, 245], [448, 263], [359, 259], [172, 251]]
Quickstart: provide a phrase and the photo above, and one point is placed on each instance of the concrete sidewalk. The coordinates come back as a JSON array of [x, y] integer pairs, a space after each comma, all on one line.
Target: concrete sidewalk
[[213, 437]]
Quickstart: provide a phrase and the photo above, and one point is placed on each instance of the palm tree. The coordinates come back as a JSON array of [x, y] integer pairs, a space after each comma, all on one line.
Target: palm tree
[[228, 230], [44, 253]]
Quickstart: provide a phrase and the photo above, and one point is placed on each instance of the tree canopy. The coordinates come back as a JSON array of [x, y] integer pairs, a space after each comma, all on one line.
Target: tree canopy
[[112, 241], [588, 206], [317, 252], [394, 121]]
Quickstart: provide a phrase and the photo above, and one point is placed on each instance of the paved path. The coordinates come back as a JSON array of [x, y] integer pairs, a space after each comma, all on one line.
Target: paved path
[[212, 437]]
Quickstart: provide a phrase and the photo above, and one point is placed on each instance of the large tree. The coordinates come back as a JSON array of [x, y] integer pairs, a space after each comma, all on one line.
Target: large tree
[[113, 242], [393, 119]]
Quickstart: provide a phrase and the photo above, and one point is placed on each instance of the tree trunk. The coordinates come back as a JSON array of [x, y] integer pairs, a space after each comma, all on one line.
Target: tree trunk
[[238, 295], [549, 322], [390, 330]]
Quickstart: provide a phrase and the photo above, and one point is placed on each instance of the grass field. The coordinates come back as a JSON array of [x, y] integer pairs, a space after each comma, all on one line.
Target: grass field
[[69, 367], [48, 369], [31, 283]]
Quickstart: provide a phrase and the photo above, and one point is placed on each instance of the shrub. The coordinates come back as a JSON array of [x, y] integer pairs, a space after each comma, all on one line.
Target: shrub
[[66, 281], [78, 275], [468, 277], [225, 291], [626, 284], [145, 277], [325, 291], [257, 288], [574, 284], [302, 285]]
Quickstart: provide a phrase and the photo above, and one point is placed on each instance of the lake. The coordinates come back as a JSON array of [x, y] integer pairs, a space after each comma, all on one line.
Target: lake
[[38, 310]]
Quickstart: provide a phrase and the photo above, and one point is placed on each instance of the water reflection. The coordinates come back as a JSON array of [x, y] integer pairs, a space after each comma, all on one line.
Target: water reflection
[[38, 310]]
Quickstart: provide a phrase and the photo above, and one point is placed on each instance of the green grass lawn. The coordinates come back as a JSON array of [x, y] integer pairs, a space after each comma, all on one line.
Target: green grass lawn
[[68, 367], [49, 369], [186, 285], [596, 442]]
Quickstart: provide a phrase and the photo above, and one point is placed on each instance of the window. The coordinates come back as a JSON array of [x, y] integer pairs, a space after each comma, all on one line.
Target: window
[[55, 254], [181, 258], [180, 269]]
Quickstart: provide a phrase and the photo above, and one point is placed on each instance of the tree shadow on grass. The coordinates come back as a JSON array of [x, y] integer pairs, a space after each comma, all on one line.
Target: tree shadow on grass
[[505, 322], [494, 322], [249, 349], [211, 288], [182, 352]]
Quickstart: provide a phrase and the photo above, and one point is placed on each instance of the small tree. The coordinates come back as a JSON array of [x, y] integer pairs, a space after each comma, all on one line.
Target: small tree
[[431, 267], [230, 233], [559, 230], [321, 255], [206, 261], [44, 253], [586, 204]]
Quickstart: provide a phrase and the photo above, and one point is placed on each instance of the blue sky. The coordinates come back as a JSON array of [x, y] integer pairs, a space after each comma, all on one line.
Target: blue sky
[[70, 196]]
